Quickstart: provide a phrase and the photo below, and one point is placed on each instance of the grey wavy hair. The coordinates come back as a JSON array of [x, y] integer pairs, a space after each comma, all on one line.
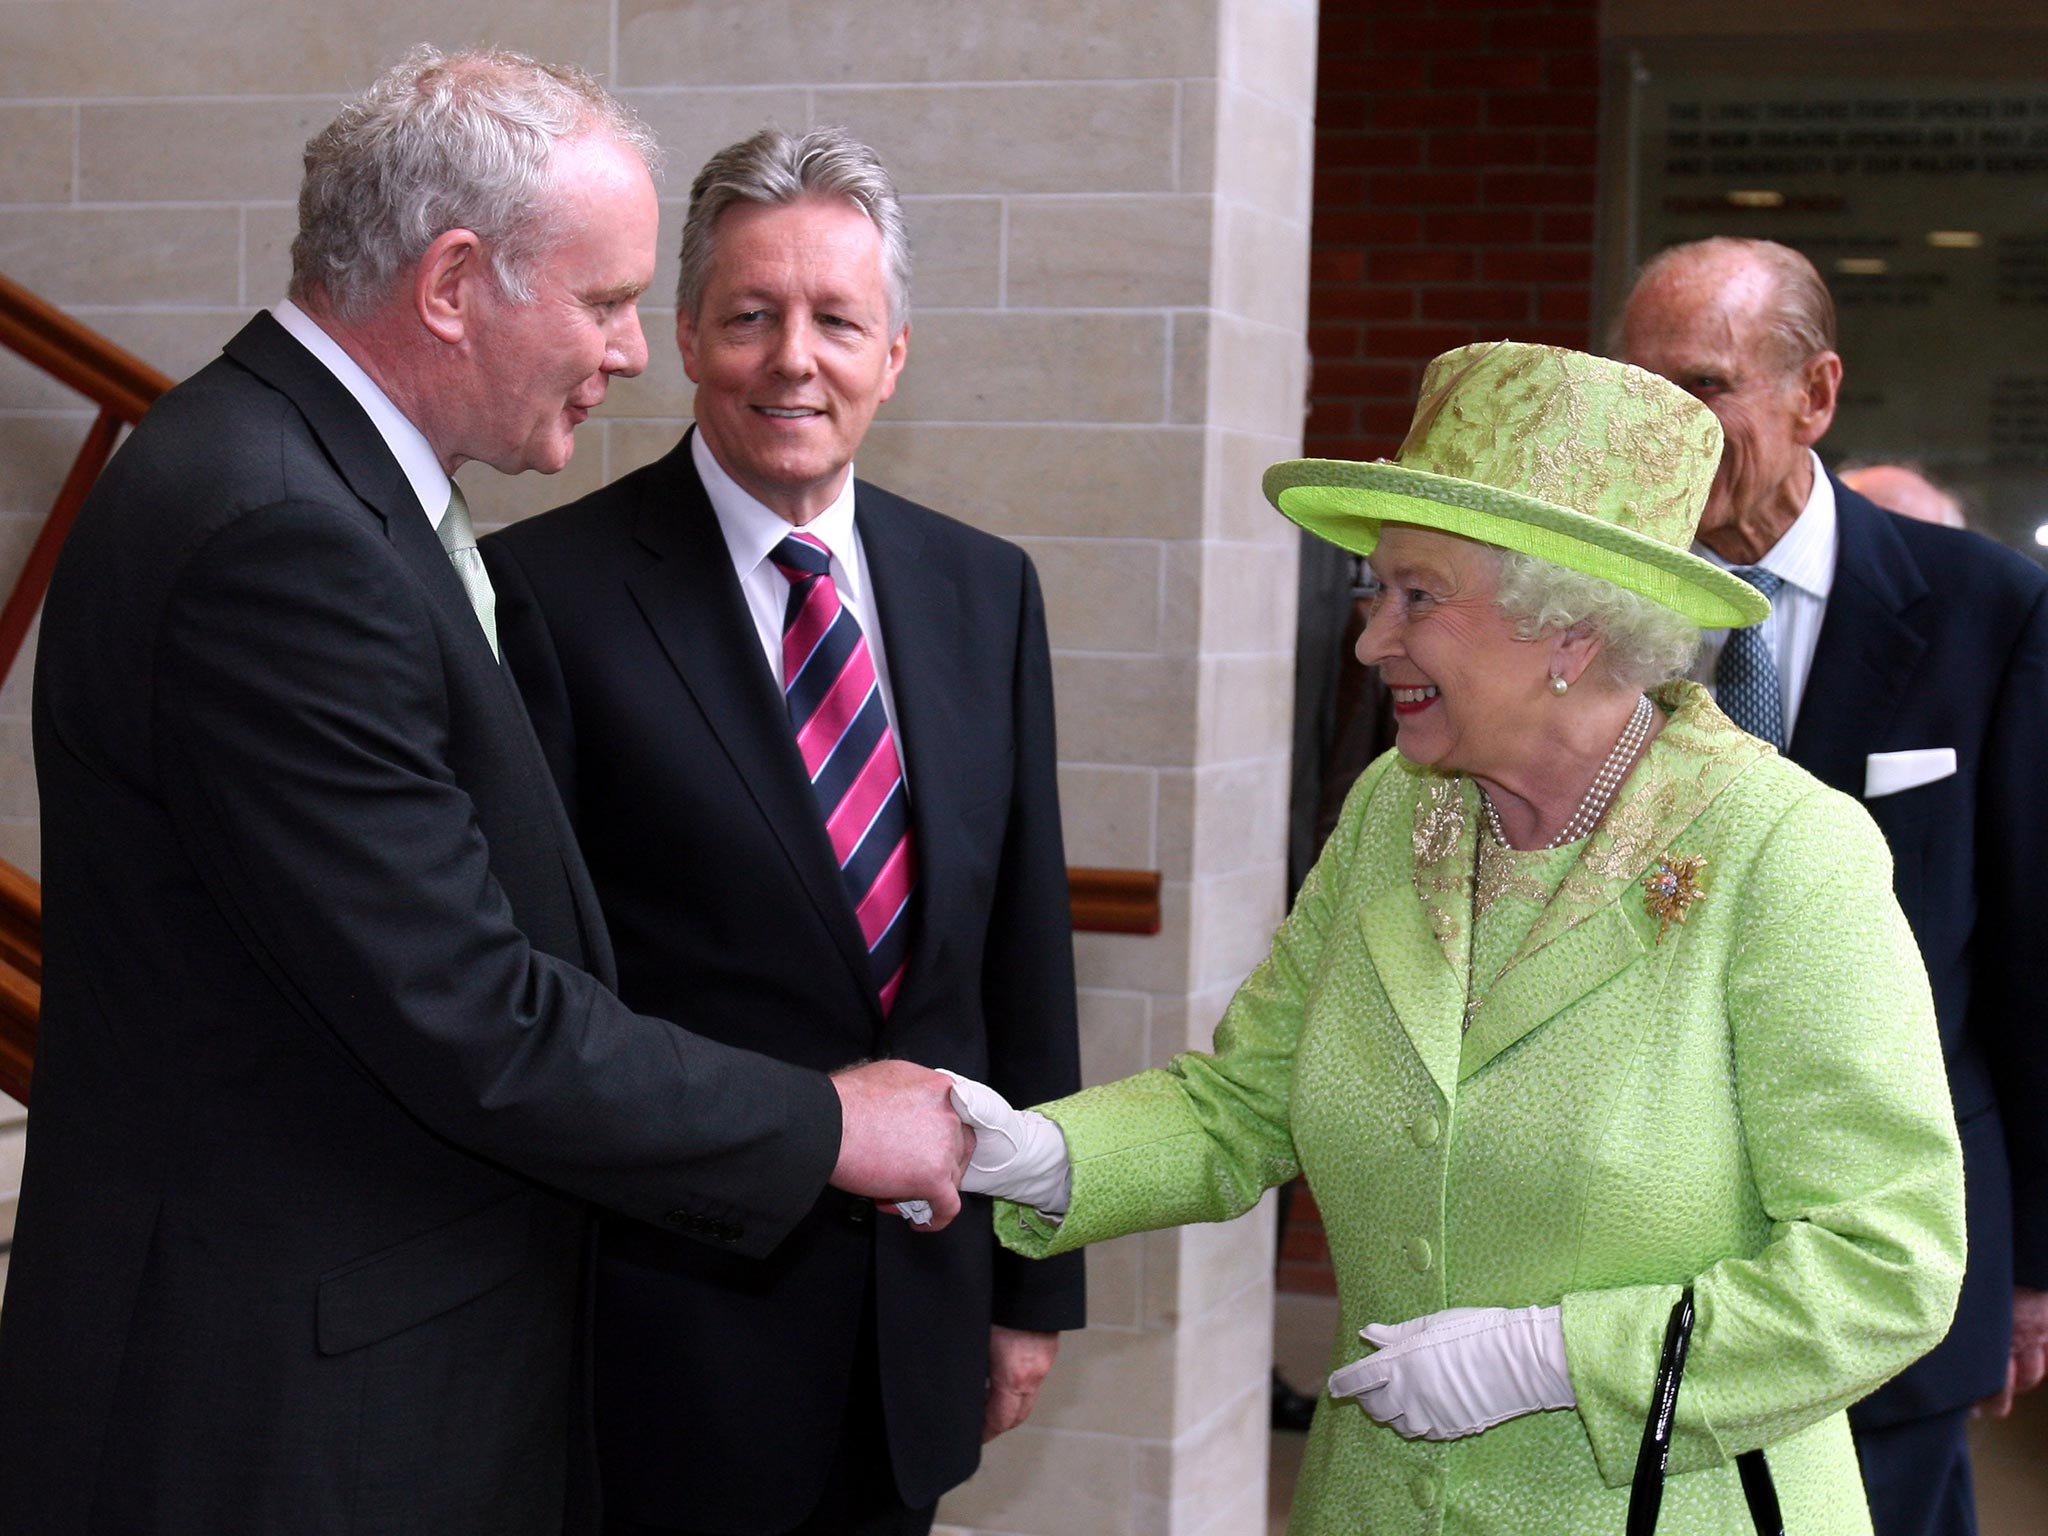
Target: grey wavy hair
[[440, 142], [1642, 643], [775, 168]]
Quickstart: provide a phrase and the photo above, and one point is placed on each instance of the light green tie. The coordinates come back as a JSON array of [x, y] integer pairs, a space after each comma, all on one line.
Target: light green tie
[[459, 539]]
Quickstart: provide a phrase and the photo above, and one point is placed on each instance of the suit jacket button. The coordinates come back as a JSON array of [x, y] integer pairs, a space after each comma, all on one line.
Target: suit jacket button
[[679, 1220], [1424, 1129], [727, 1232], [1419, 1253], [858, 1210]]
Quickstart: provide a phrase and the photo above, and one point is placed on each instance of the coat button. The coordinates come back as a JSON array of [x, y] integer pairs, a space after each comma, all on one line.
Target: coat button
[[1423, 1491], [1419, 1253], [858, 1211], [1425, 1129]]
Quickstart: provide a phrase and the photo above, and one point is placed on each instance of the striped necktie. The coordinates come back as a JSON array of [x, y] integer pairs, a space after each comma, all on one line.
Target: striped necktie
[[1746, 676], [842, 732]]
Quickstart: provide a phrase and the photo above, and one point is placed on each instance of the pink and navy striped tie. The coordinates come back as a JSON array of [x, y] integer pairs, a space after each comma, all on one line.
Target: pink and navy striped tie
[[842, 731]]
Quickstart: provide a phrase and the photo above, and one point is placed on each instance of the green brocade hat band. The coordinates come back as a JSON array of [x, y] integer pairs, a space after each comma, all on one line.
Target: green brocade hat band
[[1578, 460]]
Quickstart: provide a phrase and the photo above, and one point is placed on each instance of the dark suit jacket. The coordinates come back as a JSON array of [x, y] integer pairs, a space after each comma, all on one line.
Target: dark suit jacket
[[723, 1380], [321, 1065], [1939, 638]]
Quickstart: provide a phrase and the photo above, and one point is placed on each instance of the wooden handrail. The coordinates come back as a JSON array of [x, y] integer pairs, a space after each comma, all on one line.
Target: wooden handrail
[[1114, 900], [117, 381], [111, 377], [21, 977]]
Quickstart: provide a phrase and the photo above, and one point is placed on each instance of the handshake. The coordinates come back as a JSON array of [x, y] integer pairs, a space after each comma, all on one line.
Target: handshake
[[918, 1139]]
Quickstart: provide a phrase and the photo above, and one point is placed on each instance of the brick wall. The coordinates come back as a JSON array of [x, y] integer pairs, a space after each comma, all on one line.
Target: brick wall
[[1454, 195], [1456, 143]]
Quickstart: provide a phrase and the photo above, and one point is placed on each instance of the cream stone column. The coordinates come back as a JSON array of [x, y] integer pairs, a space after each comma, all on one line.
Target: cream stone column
[[1109, 201], [1108, 349]]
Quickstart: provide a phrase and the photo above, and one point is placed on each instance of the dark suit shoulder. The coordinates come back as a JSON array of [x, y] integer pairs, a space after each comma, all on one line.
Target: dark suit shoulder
[[220, 441], [1954, 562]]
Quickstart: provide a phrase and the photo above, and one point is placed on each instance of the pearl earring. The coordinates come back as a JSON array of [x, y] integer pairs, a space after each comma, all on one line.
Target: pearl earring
[[1558, 686]]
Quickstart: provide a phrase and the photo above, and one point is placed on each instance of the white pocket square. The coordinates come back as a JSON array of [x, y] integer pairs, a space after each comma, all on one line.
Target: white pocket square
[[1886, 773]]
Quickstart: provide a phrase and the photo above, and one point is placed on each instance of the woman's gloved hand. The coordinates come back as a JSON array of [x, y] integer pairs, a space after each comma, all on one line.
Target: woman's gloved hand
[[1018, 1153], [1449, 1374]]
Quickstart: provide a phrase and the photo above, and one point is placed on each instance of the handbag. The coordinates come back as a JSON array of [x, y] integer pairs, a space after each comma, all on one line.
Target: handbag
[[1646, 1492]]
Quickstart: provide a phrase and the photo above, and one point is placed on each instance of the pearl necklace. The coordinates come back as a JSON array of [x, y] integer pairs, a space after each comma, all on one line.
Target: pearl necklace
[[1601, 794]]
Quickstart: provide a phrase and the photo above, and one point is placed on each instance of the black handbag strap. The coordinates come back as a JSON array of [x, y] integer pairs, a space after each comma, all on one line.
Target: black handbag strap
[[1646, 1493]]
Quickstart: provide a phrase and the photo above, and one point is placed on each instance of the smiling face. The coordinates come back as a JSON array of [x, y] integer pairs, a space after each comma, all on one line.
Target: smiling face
[[542, 366], [1468, 694], [791, 348]]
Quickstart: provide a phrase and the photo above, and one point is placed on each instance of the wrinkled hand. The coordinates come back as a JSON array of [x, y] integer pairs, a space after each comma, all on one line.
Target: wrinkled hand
[[1449, 1374], [2029, 1362], [899, 1138], [1018, 1153], [1018, 1360]]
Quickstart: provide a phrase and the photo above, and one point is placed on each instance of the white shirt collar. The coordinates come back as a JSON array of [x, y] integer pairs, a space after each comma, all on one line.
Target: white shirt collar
[[407, 443], [1804, 556], [752, 530]]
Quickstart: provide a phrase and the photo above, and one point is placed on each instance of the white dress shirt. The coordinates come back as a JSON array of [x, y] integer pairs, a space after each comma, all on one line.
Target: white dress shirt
[[752, 531], [1804, 557], [407, 443]]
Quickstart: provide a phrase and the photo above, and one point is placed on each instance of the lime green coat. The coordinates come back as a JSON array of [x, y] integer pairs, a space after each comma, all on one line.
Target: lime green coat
[[1750, 1100]]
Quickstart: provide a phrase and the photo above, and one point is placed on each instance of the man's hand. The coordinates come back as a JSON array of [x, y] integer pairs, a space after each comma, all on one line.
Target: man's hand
[[899, 1138], [2029, 1363], [1018, 1360]]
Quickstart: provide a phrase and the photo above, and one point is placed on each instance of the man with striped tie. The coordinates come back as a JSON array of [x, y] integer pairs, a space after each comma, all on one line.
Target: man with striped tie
[[1907, 665], [804, 729]]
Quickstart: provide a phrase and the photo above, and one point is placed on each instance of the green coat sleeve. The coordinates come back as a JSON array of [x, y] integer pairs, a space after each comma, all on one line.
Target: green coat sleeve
[[1844, 1111], [1201, 1139]]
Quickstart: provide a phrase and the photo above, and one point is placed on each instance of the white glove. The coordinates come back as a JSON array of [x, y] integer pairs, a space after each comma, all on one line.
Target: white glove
[[1018, 1153], [1445, 1375]]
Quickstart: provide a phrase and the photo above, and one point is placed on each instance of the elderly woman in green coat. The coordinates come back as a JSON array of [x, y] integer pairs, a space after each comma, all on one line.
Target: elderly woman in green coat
[[1591, 999]]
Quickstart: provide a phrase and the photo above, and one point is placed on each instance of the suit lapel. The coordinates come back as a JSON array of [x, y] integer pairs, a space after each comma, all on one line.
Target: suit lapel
[[691, 599], [1597, 924], [359, 454], [1421, 946], [928, 646], [1426, 994], [1867, 650], [343, 429]]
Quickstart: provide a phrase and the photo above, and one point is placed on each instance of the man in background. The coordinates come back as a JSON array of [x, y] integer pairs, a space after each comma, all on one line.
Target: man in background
[[328, 1064], [1905, 664], [804, 729], [1904, 489]]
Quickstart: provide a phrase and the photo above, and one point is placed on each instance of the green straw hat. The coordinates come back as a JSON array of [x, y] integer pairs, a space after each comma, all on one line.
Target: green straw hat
[[1578, 460]]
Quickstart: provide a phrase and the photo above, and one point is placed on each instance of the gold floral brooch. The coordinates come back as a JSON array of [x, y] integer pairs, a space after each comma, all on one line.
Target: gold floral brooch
[[1673, 885]]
